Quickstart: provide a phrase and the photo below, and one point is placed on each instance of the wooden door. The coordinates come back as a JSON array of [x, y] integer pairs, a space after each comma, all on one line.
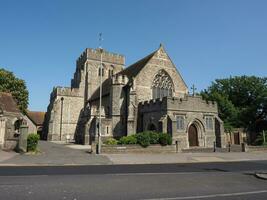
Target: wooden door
[[192, 136], [236, 138]]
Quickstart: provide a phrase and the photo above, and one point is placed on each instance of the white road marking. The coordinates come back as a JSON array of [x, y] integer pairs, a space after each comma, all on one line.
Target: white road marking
[[162, 173], [24, 176], [211, 195]]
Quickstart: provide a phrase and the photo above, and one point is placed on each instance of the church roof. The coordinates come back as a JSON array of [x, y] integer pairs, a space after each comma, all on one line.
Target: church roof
[[36, 117], [135, 68], [8, 103], [130, 71]]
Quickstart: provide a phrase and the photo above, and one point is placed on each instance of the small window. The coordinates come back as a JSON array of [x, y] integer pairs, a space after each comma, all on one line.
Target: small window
[[209, 123], [110, 73], [180, 122], [103, 70], [107, 130]]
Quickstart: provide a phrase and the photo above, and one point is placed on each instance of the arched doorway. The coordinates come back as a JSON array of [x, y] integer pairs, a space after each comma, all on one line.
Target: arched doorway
[[151, 127], [192, 136]]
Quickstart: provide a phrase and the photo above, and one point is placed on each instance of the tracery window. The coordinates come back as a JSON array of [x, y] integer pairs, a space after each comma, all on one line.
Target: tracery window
[[162, 85]]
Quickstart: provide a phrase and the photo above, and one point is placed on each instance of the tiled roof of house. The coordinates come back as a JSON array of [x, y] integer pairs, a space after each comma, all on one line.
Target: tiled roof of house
[[8, 103], [36, 117]]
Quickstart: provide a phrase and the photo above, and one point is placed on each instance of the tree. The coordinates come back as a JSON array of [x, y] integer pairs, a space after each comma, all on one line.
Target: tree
[[15, 86], [242, 100]]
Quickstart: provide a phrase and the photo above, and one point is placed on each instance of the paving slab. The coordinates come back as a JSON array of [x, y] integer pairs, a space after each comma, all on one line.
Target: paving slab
[[57, 154]]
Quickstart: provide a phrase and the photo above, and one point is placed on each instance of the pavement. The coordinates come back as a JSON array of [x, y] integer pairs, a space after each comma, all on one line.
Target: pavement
[[58, 153], [54, 154]]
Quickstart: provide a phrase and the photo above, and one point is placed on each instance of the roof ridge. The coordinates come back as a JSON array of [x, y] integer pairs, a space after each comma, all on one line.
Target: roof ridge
[[135, 68]]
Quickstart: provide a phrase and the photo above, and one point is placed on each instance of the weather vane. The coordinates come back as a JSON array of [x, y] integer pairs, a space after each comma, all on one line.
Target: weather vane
[[100, 40]]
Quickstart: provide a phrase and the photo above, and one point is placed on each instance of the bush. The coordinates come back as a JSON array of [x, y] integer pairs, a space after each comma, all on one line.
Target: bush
[[165, 139], [131, 139], [32, 141], [111, 141], [153, 137], [259, 140], [143, 139]]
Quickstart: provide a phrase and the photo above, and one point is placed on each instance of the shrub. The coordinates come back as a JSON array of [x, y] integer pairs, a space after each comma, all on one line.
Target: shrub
[[111, 141], [153, 137], [131, 139], [165, 139], [259, 140], [143, 139], [32, 141]]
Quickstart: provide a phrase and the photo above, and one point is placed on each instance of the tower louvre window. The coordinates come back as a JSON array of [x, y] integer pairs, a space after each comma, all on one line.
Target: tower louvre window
[[103, 71]]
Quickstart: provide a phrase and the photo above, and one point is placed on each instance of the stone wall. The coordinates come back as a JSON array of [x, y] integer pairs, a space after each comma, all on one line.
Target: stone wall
[[160, 61], [71, 108], [8, 134], [31, 126], [162, 114]]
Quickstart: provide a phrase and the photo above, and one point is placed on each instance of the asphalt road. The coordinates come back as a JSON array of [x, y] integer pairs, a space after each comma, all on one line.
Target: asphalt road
[[169, 181]]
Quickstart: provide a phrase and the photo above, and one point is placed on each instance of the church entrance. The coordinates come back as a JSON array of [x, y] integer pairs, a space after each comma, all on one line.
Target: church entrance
[[192, 136], [151, 127]]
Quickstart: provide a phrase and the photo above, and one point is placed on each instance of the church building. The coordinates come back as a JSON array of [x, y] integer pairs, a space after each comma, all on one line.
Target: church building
[[147, 95]]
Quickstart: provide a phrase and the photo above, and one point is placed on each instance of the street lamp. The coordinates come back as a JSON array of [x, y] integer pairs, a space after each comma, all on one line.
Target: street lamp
[[61, 114], [100, 103]]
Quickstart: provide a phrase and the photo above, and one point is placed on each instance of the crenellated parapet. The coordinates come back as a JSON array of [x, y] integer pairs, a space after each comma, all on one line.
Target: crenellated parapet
[[119, 79], [94, 54], [64, 91], [196, 103], [182, 104], [153, 105]]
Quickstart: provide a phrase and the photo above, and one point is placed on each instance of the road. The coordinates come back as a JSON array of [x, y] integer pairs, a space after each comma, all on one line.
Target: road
[[234, 180]]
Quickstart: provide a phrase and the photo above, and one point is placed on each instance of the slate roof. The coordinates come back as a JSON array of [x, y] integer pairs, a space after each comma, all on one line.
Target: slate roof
[[36, 117], [8, 103], [135, 68]]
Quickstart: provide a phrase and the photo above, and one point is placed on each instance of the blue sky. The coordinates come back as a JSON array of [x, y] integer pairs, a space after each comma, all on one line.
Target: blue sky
[[206, 39]]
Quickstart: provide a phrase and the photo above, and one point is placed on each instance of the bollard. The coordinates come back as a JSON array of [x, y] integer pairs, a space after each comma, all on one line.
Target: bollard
[[243, 147], [229, 147], [176, 145], [214, 146]]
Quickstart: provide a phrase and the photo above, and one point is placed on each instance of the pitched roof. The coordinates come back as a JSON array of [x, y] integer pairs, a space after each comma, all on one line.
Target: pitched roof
[[36, 117], [130, 71], [8, 103], [135, 68]]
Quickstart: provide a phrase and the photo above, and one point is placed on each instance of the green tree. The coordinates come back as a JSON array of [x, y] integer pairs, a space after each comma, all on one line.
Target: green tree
[[17, 87], [242, 100]]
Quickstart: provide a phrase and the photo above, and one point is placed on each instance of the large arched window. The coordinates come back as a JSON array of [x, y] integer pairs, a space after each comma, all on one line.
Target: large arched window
[[162, 85]]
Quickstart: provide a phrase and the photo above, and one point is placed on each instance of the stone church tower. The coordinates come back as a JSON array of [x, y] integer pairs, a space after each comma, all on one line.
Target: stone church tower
[[148, 95]]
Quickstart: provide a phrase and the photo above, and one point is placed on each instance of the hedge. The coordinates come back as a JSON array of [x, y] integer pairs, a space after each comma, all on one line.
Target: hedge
[[32, 141]]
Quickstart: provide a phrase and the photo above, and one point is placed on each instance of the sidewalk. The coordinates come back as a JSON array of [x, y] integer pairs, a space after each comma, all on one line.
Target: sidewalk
[[185, 157], [72, 154], [55, 154]]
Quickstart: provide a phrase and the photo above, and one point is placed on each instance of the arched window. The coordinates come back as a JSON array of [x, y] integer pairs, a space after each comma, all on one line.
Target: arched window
[[103, 70], [110, 71], [162, 85]]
